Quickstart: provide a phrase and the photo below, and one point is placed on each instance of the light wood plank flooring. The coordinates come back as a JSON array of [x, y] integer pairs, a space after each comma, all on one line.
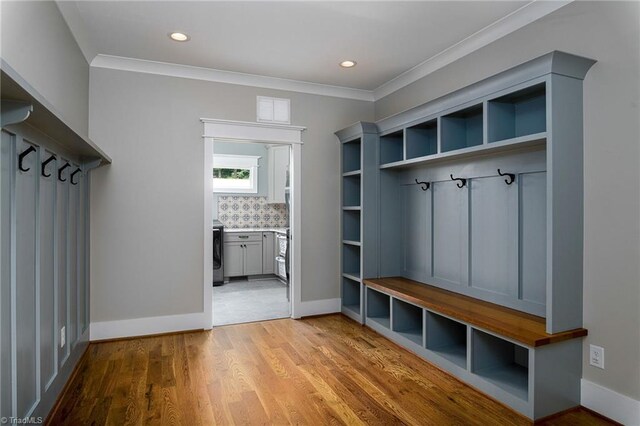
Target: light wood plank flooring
[[325, 370]]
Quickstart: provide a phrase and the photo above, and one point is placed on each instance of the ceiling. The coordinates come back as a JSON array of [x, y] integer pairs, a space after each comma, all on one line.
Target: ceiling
[[294, 40]]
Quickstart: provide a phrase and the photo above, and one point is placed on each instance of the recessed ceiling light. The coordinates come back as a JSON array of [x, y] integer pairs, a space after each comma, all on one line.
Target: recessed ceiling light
[[348, 64], [179, 36]]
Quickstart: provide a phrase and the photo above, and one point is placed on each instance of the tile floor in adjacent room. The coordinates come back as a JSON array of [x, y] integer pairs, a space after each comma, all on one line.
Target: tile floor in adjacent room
[[244, 300]]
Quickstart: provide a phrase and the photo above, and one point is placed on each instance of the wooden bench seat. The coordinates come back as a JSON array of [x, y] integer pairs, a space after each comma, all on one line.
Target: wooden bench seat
[[518, 326]]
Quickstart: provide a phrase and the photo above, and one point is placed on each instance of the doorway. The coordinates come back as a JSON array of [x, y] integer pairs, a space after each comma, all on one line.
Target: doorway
[[251, 218], [268, 136]]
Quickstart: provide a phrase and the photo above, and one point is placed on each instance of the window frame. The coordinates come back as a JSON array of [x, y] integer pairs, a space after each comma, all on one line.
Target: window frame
[[228, 161]]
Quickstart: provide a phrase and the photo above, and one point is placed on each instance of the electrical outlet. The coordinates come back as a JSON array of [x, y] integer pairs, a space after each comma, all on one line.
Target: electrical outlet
[[596, 356], [63, 336]]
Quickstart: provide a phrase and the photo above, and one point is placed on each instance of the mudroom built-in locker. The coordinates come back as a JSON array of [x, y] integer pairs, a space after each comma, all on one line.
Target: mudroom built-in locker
[[462, 232]]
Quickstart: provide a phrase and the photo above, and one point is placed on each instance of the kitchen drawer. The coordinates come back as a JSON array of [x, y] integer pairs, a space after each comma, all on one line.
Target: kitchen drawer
[[232, 237]]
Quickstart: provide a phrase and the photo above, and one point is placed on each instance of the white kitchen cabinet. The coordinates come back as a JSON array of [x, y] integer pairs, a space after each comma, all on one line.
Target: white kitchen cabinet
[[233, 259], [253, 258], [268, 253], [277, 172]]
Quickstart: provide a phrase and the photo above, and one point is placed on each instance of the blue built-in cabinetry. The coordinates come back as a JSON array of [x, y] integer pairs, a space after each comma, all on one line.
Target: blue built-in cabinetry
[[44, 246], [478, 192]]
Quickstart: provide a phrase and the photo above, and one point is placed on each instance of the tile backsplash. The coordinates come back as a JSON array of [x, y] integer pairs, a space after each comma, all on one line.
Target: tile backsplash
[[237, 211]]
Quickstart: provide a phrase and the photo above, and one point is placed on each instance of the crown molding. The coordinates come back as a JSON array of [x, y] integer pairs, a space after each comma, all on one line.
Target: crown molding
[[525, 15], [229, 77], [514, 21]]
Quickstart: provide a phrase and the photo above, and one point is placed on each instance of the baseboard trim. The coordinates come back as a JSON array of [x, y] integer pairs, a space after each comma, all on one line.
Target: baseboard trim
[[318, 307], [609, 403], [146, 326]]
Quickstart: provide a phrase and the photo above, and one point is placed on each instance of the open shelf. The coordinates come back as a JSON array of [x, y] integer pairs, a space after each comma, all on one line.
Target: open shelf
[[351, 191], [447, 338], [351, 225], [351, 155], [518, 114], [351, 295], [351, 260], [391, 147], [502, 363], [421, 139], [407, 320], [378, 308], [462, 129]]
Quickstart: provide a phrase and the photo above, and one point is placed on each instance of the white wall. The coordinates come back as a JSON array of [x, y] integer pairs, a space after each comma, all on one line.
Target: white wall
[[147, 208], [37, 44], [608, 32]]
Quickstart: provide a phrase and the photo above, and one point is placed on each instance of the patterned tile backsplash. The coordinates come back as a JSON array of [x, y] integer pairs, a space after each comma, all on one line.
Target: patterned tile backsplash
[[237, 211]]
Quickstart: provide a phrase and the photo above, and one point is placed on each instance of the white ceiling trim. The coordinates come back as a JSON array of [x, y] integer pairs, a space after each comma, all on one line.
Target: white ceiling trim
[[229, 77], [514, 21]]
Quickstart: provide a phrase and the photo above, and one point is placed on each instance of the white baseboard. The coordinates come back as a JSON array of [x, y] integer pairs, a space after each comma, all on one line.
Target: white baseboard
[[609, 403], [318, 307], [146, 326]]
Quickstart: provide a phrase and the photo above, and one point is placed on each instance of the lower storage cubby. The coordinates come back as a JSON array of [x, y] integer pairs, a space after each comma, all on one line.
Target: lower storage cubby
[[407, 320], [378, 308], [351, 295], [501, 362], [447, 338]]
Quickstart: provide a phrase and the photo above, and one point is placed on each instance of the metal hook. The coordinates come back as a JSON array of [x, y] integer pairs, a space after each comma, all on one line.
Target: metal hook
[[60, 170], [424, 185], [78, 170], [44, 165], [22, 156], [463, 182], [510, 177]]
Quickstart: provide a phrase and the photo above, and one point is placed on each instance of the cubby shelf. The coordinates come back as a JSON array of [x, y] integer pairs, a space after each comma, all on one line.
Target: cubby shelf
[[351, 225], [353, 173], [351, 260], [351, 191], [421, 140], [392, 147], [462, 129], [351, 295], [352, 276], [378, 308], [351, 156], [352, 243], [351, 208], [407, 321], [501, 362], [447, 338], [517, 114]]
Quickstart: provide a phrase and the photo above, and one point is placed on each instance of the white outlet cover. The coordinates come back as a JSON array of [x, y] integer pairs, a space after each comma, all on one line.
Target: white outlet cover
[[596, 356]]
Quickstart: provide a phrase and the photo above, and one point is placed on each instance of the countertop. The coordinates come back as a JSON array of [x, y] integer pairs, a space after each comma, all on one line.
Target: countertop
[[236, 230]]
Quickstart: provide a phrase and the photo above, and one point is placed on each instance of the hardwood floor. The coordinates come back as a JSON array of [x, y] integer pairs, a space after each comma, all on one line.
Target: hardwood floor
[[325, 370]]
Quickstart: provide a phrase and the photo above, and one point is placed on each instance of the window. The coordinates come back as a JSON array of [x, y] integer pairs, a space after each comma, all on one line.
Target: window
[[235, 173]]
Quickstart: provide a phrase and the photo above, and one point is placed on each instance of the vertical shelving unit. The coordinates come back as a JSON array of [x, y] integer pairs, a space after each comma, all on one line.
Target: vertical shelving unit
[[359, 165]]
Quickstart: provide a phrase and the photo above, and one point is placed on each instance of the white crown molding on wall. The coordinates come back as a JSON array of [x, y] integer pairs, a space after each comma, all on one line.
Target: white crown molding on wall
[[525, 15], [229, 77], [514, 21]]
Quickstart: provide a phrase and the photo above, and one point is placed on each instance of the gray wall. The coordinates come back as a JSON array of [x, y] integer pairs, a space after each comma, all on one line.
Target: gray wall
[[148, 206], [244, 149], [37, 43], [609, 33]]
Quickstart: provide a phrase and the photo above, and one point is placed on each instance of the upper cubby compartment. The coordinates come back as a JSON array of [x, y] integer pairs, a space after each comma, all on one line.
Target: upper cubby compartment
[[351, 191], [518, 114], [422, 139], [462, 129], [391, 147], [351, 156]]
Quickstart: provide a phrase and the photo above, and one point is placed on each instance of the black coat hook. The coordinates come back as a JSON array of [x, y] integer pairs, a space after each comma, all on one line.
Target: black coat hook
[[425, 185], [22, 156], [60, 170], [78, 170], [463, 182], [510, 177], [44, 165]]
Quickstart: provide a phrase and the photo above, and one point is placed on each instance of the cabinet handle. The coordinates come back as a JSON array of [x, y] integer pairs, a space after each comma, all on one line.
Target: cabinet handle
[[243, 236]]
